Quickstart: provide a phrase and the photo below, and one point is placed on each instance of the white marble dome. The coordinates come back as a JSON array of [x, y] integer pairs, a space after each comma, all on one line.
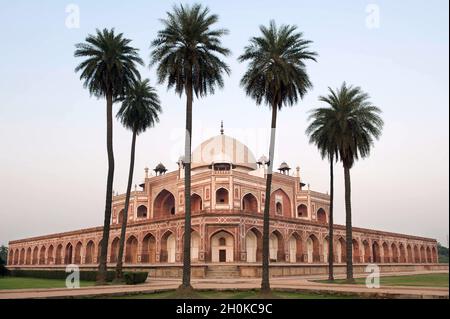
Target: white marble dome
[[223, 149]]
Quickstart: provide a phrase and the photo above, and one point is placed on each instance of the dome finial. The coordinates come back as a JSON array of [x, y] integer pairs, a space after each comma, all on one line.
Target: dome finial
[[221, 128]]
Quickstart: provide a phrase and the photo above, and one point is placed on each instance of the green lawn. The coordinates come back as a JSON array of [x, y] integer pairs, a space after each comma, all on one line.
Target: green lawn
[[425, 280], [248, 294], [27, 283]]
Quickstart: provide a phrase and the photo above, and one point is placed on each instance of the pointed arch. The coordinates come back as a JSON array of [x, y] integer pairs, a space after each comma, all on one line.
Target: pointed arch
[[59, 255], [356, 251], [35, 259], [409, 254], [376, 255], [295, 246], [394, 253], [142, 212], [366, 251], [50, 252], [222, 196], [131, 250], [312, 248], [42, 256], [249, 203], [22, 256], [222, 246], [114, 252], [168, 247], [148, 254], [321, 216], [416, 254], [276, 246], [280, 203], [386, 253], [68, 255], [164, 204], [341, 250], [90, 252], [402, 257], [196, 203], [302, 210]]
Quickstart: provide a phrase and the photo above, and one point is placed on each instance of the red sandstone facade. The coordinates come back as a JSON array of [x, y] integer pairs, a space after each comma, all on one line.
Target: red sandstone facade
[[227, 200]]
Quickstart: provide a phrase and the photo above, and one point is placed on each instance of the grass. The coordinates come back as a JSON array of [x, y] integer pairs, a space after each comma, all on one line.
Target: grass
[[30, 283], [425, 280], [247, 294]]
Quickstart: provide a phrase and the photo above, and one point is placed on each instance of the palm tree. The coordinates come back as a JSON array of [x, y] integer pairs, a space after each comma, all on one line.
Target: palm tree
[[320, 133], [188, 53], [354, 123], [276, 76], [108, 70], [139, 111]]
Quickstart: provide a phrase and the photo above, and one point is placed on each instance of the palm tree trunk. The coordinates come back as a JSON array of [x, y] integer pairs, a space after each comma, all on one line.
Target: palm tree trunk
[[265, 282], [187, 189], [119, 272], [102, 268], [330, 223], [348, 225]]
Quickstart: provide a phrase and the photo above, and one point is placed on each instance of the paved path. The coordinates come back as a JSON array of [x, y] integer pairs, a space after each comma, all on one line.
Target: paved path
[[302, 283]]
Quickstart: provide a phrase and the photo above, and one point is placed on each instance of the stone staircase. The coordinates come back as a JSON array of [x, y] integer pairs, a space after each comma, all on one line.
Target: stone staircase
[[222, 271]]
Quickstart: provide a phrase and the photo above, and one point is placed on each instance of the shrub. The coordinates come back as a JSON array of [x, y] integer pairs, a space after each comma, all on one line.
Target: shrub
[[85, 275], [3, 270], [134, 278]]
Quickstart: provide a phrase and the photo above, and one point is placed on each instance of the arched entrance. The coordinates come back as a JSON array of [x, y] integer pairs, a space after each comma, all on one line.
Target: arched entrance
[[168, 248], [196, 203], [295, 248], [68, 254], [423, 259], [41, 256], [356, 251], [428, 250], [280, 204], [35, 256], [416, 254], [253, 245], [222, 196], [376, 252], [409, 254], [341, 250], [249, 204], [386, 254], [58, 257], [321, 216], [131, 250], [366, 250], [302, 210], [28, 256], [164, 204], [78, 248], [50, 251], [90, 251], [402, 253], [312, 248], [114, 254], [148, 254], [394, 252], [142, 212], [222, 247], [276, 246], [22, 256], [195, 246]]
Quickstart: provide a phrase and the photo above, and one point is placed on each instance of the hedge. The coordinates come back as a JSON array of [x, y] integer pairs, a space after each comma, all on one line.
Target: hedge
[[134, 278], [85, 275], [131, 278]]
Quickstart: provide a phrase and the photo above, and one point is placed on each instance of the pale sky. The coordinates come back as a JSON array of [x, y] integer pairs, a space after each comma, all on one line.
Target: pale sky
[[52, 133]]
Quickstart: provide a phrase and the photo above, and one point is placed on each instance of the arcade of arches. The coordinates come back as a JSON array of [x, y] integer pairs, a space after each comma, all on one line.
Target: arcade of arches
[[227, 204], [224, 246]]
